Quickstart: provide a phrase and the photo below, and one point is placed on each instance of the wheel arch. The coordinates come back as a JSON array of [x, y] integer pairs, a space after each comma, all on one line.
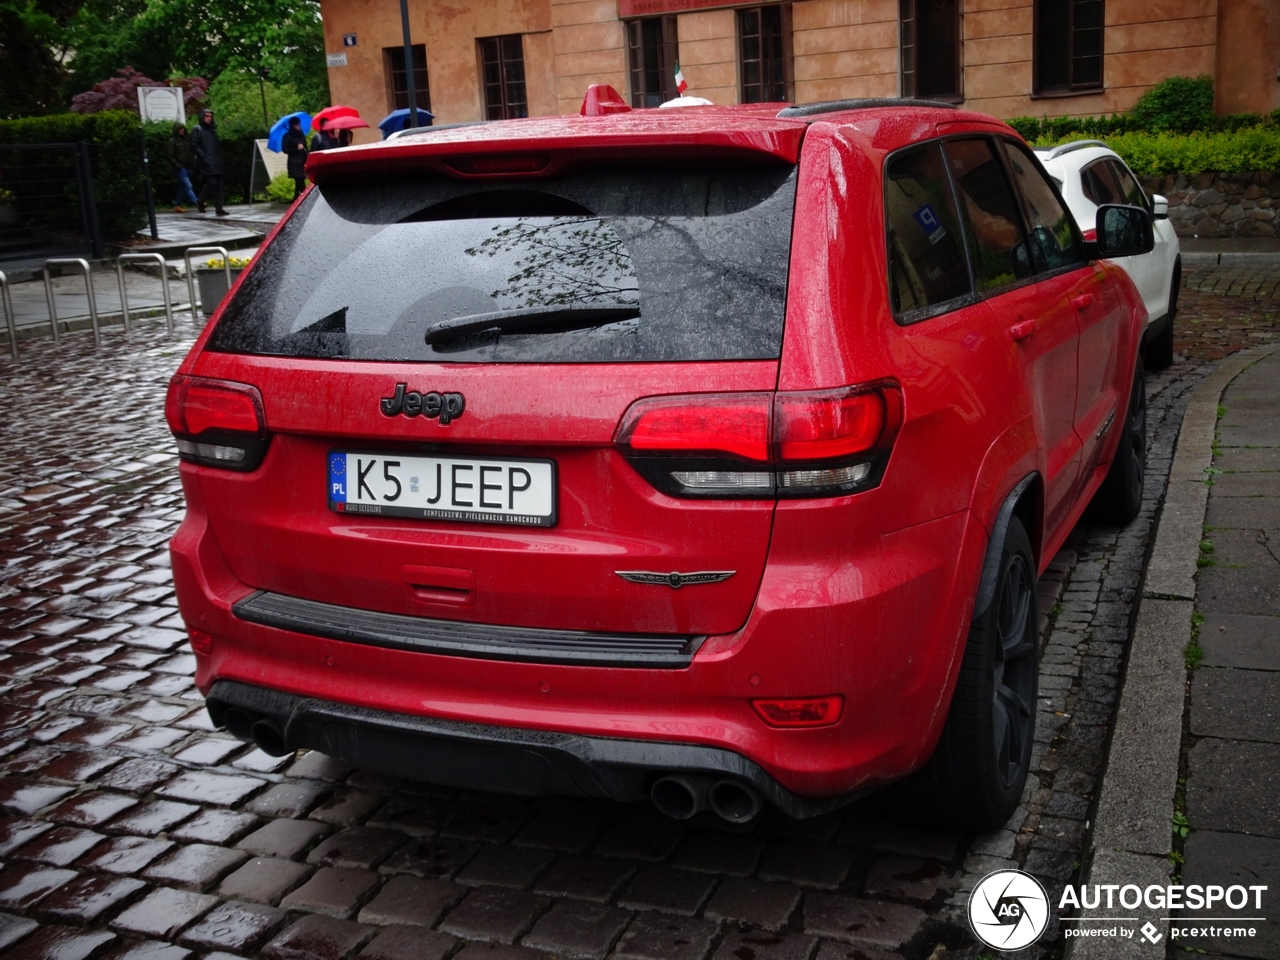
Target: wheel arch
[[1024, 501]]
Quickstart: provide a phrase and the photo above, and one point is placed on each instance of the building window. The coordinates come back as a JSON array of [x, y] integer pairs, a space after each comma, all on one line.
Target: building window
[[930, 49], [502, 66], [764, 53], [652, 50], [399, 91], [1068, 50]]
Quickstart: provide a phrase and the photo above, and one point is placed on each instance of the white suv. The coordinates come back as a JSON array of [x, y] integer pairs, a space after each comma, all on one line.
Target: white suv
[[1089, 174]]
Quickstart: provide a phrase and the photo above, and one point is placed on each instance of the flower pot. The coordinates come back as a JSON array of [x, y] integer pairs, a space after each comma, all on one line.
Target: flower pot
[[213, 287]]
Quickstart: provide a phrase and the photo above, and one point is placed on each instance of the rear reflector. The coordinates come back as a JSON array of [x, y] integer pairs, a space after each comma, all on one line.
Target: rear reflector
[[201, 642], [217, 423], [794, 444], [805, 712]]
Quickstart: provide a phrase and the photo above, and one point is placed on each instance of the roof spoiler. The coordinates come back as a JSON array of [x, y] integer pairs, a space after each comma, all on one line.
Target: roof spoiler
[[602, 99], [1071, 147], [836, 106]]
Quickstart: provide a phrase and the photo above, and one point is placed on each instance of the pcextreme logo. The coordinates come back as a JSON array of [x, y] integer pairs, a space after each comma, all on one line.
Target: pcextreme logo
[[1008, 910]]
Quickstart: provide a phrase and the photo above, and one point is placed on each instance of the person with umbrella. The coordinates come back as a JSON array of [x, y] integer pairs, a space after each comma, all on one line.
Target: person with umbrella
[[294, 147], [208, 154], [323, 140]]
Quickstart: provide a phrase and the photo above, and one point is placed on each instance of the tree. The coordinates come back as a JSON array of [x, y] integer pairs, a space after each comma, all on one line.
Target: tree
[[32, 76], [281, 41], [121, 92]]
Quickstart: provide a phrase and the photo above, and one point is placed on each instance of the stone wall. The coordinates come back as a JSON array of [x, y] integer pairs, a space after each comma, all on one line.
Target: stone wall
[[1222, 204]]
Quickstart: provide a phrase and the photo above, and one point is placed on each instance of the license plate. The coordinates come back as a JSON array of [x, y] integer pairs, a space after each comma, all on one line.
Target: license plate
[[477, 489]]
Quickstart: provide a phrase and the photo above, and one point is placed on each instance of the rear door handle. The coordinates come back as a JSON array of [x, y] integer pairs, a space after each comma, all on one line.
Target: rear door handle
[[1083, 301], [1023, 330]]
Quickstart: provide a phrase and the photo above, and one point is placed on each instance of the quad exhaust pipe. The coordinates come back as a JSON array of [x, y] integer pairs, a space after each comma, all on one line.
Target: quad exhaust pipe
[[681, 796]]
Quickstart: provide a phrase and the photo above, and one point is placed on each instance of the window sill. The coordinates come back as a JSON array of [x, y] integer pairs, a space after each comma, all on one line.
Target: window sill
[[1064, 94]]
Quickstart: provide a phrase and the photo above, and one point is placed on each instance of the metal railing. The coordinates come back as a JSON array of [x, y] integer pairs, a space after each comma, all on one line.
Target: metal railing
[[191, 282], [10, 319], [164, 285], [88, 285]]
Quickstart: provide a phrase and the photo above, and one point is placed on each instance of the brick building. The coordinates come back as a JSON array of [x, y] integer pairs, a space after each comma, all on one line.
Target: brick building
[[505, 58]]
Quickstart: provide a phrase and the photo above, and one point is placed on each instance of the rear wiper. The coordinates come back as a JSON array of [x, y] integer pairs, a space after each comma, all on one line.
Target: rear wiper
[[529, 320]]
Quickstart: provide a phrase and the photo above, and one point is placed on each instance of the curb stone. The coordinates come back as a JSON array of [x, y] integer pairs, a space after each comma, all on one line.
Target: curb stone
[[1132, 834]]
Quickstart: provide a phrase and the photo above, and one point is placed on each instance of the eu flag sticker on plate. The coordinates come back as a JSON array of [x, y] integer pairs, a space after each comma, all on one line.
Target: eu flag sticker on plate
[[337, 478]]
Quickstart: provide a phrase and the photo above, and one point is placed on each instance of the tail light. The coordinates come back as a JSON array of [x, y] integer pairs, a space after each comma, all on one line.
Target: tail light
[[217, 423], [787, 444]]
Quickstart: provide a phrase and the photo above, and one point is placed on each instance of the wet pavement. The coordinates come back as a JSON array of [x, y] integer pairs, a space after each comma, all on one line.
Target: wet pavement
[[131, 828]]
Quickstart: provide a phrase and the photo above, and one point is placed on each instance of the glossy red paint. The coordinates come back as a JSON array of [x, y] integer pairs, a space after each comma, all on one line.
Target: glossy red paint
[[866, 596]]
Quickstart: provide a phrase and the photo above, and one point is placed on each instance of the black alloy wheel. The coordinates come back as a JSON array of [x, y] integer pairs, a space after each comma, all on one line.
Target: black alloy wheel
[[1119, 499], [1013, 678], [975, 778]]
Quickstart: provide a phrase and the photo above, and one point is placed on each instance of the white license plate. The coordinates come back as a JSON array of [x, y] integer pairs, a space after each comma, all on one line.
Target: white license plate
[[479, 489]]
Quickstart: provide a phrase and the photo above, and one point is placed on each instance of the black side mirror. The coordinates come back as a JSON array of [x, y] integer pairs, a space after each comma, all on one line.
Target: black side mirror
[[1124, 231]]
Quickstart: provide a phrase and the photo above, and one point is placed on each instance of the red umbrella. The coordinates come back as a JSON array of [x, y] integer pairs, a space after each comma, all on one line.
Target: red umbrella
[[345, 123], [332, 113]]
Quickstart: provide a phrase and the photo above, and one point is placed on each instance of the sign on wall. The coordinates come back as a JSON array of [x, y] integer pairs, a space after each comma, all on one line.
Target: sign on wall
[[161, 105], [348, 39], [336, 59]]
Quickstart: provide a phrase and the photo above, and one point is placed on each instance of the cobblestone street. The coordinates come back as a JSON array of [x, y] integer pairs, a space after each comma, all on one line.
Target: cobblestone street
[[131, 828]]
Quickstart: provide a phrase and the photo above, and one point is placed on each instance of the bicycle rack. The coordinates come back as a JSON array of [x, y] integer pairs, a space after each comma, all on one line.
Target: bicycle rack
[[88, 284], [191, 280], [8, 315], [164, 284]]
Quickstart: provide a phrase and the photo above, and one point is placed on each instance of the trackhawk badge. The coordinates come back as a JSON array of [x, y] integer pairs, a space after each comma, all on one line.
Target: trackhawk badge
[[674, 579]]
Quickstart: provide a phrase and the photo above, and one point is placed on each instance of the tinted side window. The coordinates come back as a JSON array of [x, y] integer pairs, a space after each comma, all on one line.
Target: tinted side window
[[1052, 241], [926, 260], [1099, 184], [994, 225], [1129, 187]]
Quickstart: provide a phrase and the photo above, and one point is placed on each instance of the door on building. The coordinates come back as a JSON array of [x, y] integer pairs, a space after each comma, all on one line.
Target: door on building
[[764, 54], [930, 49], [653, 50]]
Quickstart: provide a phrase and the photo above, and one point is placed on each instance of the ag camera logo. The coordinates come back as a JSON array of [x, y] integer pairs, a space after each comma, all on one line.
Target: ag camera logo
[[1008, 910]]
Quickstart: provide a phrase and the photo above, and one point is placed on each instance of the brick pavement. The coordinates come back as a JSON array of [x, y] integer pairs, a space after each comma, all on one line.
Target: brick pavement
[[133, 829]]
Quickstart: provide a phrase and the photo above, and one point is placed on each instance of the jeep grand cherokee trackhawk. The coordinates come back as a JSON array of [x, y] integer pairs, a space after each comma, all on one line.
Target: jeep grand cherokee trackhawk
[[708, 455]]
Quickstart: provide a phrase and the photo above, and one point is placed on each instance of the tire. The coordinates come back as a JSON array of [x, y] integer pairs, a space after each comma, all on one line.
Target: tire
[[975, 778], [1119, 499], [1159, 351]]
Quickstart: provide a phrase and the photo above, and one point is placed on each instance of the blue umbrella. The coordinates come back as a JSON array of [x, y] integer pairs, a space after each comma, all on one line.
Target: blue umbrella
[[399, 120], [281, 126]]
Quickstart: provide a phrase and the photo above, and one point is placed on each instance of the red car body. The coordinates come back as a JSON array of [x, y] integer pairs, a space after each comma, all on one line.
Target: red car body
[[865, 599]]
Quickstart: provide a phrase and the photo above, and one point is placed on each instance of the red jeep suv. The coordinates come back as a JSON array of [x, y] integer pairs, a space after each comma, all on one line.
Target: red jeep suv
[[708, 455]]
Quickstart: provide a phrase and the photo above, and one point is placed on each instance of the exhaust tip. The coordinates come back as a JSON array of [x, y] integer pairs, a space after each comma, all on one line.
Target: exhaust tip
[[238, 723], [679, 797], [268, 738], [735, 802]]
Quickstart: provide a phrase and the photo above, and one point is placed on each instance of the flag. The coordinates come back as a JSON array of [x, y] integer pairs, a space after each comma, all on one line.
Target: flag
[[681, 83]]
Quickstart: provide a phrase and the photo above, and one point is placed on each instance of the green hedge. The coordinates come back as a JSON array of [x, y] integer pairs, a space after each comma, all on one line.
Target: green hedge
[[117, 167], [1240, 151]]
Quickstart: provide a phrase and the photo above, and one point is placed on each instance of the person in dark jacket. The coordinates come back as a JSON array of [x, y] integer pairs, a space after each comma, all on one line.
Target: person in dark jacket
[[183, 159], [294, 147], [323, 140], [208, 153]]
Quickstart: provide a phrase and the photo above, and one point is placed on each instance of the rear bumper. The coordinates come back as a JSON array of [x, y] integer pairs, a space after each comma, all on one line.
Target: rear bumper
[[501, 759]]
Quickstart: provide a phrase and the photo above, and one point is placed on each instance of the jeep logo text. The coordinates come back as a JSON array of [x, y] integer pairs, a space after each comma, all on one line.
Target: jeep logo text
[[446, 406]]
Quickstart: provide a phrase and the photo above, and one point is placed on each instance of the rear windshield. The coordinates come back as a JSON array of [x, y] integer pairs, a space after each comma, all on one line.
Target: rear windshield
[[669, 262]]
